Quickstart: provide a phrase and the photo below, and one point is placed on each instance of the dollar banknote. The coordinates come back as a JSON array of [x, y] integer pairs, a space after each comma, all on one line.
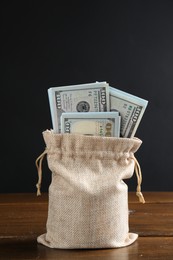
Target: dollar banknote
[[92, 123], [131, 109], [92, 97]]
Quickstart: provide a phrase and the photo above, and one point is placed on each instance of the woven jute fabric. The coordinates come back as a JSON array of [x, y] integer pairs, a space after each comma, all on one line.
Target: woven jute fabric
[[88, 199]]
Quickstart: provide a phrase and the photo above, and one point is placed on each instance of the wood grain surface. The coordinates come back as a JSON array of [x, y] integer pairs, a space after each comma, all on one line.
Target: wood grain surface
[[23, 217]]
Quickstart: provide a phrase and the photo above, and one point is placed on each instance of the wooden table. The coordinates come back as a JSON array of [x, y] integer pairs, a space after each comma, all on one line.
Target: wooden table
[[23, 218]]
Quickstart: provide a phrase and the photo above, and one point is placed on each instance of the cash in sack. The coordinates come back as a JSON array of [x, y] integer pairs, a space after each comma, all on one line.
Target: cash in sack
[[90, 151]]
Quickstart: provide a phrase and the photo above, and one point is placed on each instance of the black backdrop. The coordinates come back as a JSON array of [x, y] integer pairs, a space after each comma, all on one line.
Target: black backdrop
[[129, 44]]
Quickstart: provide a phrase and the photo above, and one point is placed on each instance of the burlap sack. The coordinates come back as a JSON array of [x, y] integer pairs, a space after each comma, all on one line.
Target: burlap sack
[[88, 199]]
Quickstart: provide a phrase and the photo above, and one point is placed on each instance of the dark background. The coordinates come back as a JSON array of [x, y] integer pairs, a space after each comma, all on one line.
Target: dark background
[[129, 44]]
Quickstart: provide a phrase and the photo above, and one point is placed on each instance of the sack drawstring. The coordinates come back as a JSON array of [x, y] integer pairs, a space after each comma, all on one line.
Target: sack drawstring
[[138, 172], [38, 164], [139, 181]]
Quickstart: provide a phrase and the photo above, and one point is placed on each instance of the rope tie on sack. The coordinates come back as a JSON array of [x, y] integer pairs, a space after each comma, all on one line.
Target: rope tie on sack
[[137, 168], [139, 181], [38, 164]]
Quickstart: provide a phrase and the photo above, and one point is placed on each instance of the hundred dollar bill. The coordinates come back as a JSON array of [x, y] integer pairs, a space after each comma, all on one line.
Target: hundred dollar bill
[[92, 97], [131, 109], [92, 123]]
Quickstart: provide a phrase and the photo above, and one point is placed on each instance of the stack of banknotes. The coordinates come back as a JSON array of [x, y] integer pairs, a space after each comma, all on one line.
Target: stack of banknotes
[[95, 109]]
